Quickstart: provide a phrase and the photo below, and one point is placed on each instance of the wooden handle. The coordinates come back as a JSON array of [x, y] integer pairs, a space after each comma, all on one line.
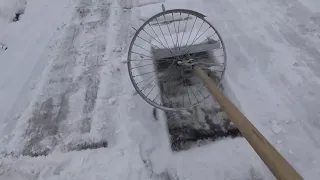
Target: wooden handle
[[280, 168]]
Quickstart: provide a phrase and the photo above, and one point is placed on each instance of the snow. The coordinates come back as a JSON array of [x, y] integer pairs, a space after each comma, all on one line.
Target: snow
[[225, 165], [94, 164], [68, 76], [15, 90], [276, 128], [8, 10]]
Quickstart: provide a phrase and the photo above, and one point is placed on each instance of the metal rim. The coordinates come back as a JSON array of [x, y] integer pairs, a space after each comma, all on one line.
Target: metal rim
[[134, 83]]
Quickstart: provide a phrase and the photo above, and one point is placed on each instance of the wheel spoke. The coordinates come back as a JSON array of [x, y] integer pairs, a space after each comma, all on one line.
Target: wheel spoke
[[185, 27], [191, 31], [164, 37], [169, 30]]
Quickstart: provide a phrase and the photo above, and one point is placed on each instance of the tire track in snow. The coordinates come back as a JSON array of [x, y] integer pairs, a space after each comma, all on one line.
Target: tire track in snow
[[135, 124], [94, 19], [104, 121], [120, 117], [43, 126], [93, 61], [74, 71]]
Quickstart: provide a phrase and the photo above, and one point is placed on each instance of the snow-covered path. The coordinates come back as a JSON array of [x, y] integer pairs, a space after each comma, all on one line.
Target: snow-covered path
[[57, 112], [68, 87], [21, 71], [84, 99]]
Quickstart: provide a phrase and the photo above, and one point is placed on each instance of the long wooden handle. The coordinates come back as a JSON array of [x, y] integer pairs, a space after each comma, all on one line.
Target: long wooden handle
[[280, 168]]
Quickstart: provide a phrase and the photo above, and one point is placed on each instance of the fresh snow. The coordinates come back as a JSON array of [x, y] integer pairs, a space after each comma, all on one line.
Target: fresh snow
[[8, 10], [63, 84]]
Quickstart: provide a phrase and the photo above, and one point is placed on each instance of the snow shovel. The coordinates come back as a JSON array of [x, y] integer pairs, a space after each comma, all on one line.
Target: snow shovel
[[185, 57]]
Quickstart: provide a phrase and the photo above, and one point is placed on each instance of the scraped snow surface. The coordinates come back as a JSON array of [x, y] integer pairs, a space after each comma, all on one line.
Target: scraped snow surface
[[63, 84]]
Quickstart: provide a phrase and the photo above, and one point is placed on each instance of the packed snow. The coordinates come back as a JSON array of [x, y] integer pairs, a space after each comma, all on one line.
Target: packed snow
[[64, 85]]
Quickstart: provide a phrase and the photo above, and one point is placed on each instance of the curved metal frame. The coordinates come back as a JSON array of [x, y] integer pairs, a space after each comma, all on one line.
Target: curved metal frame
[[197, 14]]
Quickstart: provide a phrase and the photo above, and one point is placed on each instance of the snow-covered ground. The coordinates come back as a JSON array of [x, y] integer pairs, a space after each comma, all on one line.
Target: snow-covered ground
[[63, 84]]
